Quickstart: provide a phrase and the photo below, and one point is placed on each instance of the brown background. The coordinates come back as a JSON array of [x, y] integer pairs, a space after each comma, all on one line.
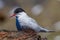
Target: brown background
[[47, 18]]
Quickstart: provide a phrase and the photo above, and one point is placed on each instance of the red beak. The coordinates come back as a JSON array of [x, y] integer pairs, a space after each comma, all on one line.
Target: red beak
[[13, 15]]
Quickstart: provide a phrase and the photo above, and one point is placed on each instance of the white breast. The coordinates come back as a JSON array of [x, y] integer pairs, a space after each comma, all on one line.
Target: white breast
[[23, 18], [28, 22]]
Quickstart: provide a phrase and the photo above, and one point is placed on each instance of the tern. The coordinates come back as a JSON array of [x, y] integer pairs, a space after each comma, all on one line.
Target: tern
[[23, 21]]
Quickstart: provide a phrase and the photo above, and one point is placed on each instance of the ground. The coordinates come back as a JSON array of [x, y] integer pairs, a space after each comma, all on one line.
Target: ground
[[22, 35]]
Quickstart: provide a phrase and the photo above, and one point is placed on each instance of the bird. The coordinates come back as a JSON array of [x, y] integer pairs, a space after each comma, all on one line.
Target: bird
[[23, 21]]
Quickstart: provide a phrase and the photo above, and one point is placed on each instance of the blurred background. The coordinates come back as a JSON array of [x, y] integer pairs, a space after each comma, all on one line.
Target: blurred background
[[45, 12]]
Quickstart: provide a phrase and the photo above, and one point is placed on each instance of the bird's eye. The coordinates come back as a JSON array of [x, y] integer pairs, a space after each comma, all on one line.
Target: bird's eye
[[18, 10]]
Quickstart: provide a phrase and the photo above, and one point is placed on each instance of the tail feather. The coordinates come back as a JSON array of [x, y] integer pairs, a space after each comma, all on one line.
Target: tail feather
[[46, 31], [40, 29]]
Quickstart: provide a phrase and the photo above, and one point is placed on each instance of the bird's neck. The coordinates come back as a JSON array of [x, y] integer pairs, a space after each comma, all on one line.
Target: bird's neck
[[22, 14]]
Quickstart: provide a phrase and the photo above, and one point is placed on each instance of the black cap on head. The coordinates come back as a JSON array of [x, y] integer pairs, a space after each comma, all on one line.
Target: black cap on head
[[18, 10]]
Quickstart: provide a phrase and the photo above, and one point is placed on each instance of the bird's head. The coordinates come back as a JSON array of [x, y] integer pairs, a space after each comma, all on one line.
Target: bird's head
[[17, 11]]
